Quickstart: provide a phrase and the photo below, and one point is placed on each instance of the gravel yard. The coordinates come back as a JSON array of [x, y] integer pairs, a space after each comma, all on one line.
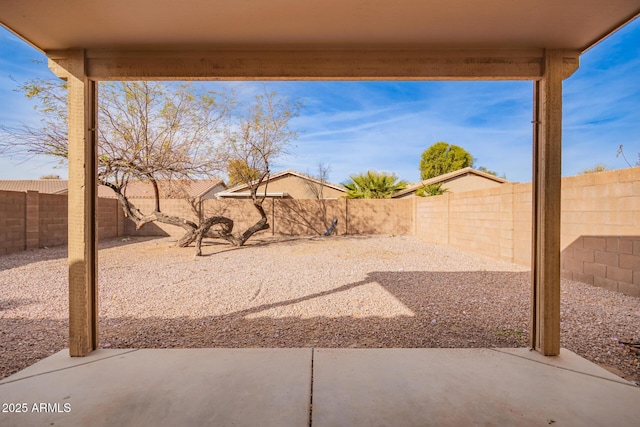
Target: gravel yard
[[353, 291]]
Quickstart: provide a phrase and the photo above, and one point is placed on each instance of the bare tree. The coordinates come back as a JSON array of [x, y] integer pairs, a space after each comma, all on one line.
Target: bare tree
[[317, 189], [322, 174], [148, 131], [313, 216], [261, 134], [154, 132]]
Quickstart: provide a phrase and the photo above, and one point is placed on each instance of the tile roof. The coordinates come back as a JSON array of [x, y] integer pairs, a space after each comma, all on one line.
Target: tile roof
[[291, 172], [135, 189], [46, 186], [449, 176], [168, 189]]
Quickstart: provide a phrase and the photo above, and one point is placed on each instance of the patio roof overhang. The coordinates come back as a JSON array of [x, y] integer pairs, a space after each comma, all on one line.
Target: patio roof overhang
[[286, 39], [332, 24], [93, 40]]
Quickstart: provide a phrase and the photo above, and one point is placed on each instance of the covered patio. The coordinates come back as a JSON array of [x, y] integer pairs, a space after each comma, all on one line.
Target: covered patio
[[349, 40], [319, 387]]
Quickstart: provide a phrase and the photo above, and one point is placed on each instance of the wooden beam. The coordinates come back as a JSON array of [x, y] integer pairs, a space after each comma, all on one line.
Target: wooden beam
[[547, 67], [547, 154], [83, 290], [407, 64]]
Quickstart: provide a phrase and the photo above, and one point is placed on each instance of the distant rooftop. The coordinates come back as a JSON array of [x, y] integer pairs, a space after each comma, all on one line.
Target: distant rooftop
[[285, 172], [447, 177], [135, 189], [47, 186]]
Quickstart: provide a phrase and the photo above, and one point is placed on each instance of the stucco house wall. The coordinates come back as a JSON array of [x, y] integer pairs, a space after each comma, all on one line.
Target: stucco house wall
[[294, 185], [462, 180]]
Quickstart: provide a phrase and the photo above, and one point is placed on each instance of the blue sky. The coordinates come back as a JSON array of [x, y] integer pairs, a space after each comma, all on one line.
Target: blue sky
[[385, 126]]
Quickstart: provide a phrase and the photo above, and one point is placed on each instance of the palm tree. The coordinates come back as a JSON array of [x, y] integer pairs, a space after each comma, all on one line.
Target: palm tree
[[373, 185], [431, 190]]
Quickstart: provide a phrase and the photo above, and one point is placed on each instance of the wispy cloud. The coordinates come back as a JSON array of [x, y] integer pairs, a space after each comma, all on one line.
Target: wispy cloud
[[602, 104], [387, 126], [356, 126]]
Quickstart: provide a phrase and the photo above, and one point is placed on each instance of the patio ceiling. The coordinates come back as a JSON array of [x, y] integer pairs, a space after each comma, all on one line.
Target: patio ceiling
[[329, 24], [91, 40]]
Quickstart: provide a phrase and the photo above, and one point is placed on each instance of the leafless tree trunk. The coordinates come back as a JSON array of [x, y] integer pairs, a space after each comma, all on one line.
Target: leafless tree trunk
[[140, 219], [318, 192]]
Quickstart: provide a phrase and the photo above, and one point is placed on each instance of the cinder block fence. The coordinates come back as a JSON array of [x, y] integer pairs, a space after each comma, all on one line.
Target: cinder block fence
[[31, 220], [600, 226], [600, 229]]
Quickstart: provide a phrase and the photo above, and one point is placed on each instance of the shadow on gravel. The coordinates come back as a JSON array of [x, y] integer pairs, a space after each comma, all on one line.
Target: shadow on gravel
[[279, 240], [477, 317], [487, 309], [8, 304], [30, 256]]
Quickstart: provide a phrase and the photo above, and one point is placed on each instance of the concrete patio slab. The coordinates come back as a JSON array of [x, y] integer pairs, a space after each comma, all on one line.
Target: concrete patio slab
[[351, 387], [566, 360], [61, 360], [168, 387], [466, 387]]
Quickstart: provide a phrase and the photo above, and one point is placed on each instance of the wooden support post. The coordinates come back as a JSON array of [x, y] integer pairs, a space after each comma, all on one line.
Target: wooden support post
[[547, 170], [83, 261]]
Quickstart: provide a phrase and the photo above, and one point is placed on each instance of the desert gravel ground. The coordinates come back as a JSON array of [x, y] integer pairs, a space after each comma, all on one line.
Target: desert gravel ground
[[349, 291]]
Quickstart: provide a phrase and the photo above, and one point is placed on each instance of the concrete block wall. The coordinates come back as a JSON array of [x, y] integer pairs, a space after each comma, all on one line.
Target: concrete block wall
[[601, 204], [12, 222], [522, 220], [31, 220], [480, 221], [605, 261], [293, 217], [382, 216], [600, 227], [506, 226], [475, 221], [308, 217], [432, 218], [53, 220], [110, 219]]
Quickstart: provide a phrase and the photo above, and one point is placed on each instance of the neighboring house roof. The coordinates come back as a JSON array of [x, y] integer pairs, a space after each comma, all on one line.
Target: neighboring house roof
[[244, 187], [46, 186], [134, 190], [448, 177], [247, 194], [168, 189]]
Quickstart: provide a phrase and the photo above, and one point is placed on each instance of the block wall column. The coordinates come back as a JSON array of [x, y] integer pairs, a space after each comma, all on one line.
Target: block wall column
[[32, 223], [83, 261], [547, 142]]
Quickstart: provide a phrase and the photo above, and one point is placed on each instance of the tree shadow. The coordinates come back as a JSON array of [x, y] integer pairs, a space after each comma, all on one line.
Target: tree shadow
[[20, 259], [428, 320], [486, 309], [9, 304], [220, 246], [308, 217]]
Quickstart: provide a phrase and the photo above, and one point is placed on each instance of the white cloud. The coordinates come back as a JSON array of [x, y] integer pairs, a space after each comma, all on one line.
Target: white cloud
[[355, 126]]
